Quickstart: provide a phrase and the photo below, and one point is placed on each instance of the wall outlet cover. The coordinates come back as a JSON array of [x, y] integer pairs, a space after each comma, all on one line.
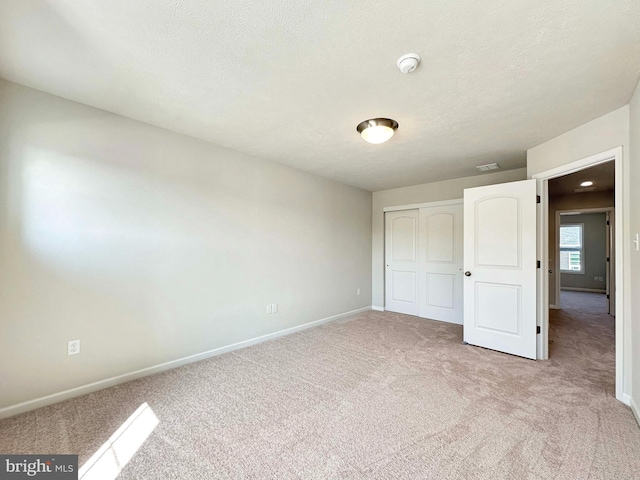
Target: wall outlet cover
[[73, 347]]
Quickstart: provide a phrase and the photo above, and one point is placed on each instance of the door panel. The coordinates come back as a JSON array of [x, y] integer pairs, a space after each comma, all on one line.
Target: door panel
[[440, 290], [494, 306], [401, 260], [440, 287], [403, 241], [499, 245], [404, 286], [500, 258], [440, 237]]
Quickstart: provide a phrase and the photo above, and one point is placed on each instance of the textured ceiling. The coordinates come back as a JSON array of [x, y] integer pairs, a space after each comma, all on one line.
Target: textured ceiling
[[290, 80]]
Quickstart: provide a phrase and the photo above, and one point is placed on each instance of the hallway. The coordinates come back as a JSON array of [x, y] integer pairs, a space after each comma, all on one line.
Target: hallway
[[584, 334]]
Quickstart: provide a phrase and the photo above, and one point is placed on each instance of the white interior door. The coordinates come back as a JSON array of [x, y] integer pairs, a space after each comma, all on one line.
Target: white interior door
[[500, 267], [401, 260], [441, 250]]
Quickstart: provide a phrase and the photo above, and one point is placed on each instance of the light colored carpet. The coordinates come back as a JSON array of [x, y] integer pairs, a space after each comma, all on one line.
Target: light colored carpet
[[377, 396]]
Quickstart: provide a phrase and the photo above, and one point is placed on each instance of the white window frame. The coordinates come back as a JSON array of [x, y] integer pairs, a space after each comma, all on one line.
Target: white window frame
[[581, 249]]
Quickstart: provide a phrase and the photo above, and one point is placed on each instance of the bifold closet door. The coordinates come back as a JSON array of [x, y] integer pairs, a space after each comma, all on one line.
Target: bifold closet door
[[401, 261], [440, 283]]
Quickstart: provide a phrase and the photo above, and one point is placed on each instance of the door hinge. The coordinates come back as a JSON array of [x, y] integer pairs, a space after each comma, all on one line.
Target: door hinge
[[537, 263], [608, 259], [608, 222], [537, 198], [538, 330], [607, 297]]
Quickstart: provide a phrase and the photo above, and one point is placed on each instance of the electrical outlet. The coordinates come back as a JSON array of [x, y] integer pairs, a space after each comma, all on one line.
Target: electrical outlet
[[73, 347], [358, 292]]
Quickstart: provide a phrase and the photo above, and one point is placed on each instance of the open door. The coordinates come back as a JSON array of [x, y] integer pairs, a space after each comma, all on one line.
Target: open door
[[500, 267]]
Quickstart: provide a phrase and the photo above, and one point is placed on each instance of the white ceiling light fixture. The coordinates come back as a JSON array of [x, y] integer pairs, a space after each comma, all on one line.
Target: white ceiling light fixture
[[586, 183], [377, 130], [409, 62]]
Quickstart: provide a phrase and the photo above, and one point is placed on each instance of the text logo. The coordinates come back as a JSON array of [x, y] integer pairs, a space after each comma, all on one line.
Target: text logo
[[49, 467]]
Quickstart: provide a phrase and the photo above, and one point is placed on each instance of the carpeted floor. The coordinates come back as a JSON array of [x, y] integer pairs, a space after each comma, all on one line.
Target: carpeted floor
[[592, 302], [377, 396]]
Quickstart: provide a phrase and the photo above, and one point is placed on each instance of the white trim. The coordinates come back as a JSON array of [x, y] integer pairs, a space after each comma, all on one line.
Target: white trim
[[634, 408], [622, 301], [578, 165], [542, 287], [109, 382], [578, 289], [413, 206], [377, 309], [554, 307]]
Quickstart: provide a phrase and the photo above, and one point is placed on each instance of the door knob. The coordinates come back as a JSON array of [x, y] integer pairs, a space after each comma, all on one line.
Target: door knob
[[550, 271], [467, 274]]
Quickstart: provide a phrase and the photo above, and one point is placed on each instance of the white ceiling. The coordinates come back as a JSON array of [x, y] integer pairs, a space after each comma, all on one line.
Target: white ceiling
[[290, 80]]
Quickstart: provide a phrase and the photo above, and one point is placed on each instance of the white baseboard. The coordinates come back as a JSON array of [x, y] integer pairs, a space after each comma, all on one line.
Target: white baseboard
[[554, 307], [635, 410], [377, 309], [591, 290], [18, 408]]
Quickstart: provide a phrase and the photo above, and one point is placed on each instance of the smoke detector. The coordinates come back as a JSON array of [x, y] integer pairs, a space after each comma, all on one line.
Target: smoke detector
[[409, 62]]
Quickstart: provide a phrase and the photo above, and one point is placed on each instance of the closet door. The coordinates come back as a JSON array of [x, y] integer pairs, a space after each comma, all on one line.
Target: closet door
[[401, 261], [441, 251]]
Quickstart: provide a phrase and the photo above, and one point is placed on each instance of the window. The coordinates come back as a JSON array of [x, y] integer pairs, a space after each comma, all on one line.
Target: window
[[571, 252]]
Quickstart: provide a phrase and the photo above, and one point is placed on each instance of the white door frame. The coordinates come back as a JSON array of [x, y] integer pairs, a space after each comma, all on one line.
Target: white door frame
[[621, 303], [556, 267]]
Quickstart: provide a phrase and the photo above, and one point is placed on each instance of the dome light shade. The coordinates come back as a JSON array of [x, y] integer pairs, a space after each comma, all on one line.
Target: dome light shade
[[377, 130], [586, 183]]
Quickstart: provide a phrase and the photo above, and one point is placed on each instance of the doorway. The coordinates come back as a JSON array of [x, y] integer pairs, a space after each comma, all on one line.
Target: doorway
[[584, 249], [613, 158]]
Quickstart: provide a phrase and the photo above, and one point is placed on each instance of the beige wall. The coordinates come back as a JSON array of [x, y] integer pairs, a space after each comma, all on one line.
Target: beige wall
[[634, 175], [427, 192], [602, 134], [570, 202], [150, 246]]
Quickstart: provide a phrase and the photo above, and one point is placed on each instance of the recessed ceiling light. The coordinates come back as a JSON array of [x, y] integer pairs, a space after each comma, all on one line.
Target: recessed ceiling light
[[377, 130], [587, 183]]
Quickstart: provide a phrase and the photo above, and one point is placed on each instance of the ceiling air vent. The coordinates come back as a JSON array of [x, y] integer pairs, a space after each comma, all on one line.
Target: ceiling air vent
[[488, 166]]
